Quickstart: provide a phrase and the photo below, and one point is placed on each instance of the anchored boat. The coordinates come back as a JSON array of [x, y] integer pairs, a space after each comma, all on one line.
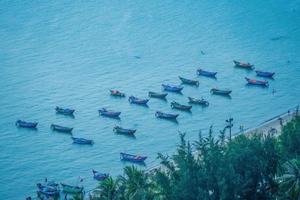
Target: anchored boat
[[201, 101], [109, 113], [189, 81], [157, 95], [71, 189], [265, 74], [172, 88], [139, 101], [257, 82], [132, 158], [243, 65], [82, 141], [99, 176], [64, 111], [24, 124], [59, 128], [202, 72], [120, 130], [159, 114], [179, 106], [220, 91], [117, 93]]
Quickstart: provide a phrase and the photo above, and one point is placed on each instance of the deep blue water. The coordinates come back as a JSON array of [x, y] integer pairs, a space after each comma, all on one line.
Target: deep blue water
[[70, 53]]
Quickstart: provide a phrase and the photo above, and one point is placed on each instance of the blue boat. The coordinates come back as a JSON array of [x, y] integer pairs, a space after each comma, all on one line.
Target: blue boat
[[179, 106], [24, 124], [82, 141], [257, 82], [50, 189], [99, 176], [189, 81], [172, 88], [265, 74], [159, 114], [64, 111], [117, 93], [202, 72], [59, 128], [120, 130], [136, 100], [132, 158], [157, 95], [109, 113]]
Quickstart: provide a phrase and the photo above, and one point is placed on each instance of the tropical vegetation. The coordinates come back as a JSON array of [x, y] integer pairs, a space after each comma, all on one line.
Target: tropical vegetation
[[256, 167]]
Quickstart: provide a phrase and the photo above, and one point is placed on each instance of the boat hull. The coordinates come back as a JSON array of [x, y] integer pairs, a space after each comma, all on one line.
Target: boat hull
[[64, 111], [82, 141], [24, 124], [257, 82], [265, 74], [157, 95], [198, 101], [111, 114], [201, 72], [135, 100], [170, 88], [180, 106], [162, 115], [61, 128], [220, 92], [243, 65], [189, 81], [132, 158], [121, 130]]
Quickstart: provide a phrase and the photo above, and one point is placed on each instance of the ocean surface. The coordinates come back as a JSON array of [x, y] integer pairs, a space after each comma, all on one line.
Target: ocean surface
[[70, 53]]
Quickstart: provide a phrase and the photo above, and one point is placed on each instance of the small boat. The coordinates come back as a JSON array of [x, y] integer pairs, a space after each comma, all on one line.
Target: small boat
[[198, 101], [179, 106], [59, 128], [188, 81], [109, 113], [257, 82], [50, 189], [82, 141], [243, 65], [136, 100], [159, 114], [99, 176], [71, 189], [132, 158], [157, 95], [64, 111], [220, 92], [202, 72], [117, 93], [265, 74], [24, 124], [172, 88], [120, 130]]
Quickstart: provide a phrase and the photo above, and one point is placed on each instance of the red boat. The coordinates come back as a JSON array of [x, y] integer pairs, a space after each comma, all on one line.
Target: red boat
[[257, 82]]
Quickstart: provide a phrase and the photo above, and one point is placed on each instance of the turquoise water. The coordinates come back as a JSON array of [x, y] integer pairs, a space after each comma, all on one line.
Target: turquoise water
[[71, 53]]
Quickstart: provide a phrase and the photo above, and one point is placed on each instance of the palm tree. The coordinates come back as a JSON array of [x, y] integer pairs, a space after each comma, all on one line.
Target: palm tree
[[290, 181], [109, 189], [135, 184]]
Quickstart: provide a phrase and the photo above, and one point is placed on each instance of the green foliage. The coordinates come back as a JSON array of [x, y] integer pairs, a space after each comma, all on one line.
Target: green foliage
[[212, 168]]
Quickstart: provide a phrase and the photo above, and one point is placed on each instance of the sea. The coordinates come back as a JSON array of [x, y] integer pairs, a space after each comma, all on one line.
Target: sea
[[71, 53]]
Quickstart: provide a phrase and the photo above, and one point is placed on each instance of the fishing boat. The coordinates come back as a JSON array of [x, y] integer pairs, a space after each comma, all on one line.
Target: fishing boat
[[159, 114], [157, 95], [50, 189], [139, 101], [257, 82], [24, 124], [59, 128], [71, 189], [172, 88], [82, 141], [99, 176], [117, 93], [132, 158], [109, 113], [179, 106], [220, 91], [120, 130], [198, 101], [64, 111], [188, 81], [243, 65], [202, 72], [265, 74]]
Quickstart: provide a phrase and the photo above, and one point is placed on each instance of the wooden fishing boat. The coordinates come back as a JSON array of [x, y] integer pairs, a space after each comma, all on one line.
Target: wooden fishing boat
[[132, 158], [159, 114], [117, 93], [139, 101], [202, 72], [109, 113], [64, 111], [265, 74], [179, 106], [99, 176], [50, 189], [220, 91], [157, 95], [172, 88], [120, 130], [24, 124], [198, 101], [243, 65], [59, 128], [257, 82], [189, 81], [71, 189], [82, 141]]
